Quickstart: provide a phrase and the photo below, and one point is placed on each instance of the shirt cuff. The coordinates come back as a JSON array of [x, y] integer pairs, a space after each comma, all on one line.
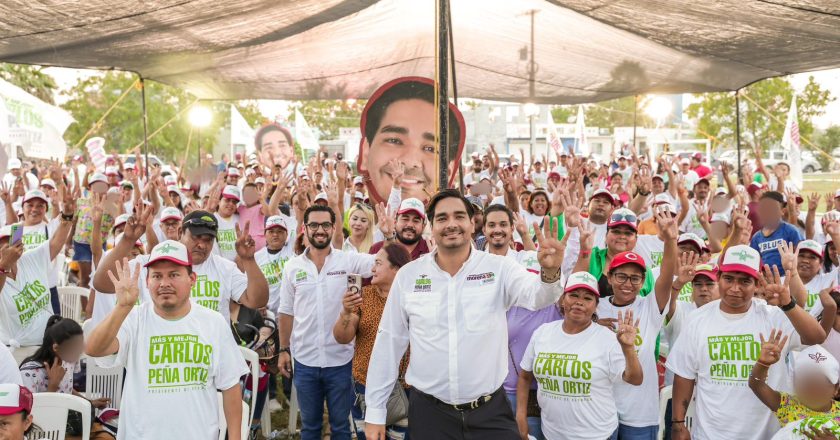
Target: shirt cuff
[[375, 416]]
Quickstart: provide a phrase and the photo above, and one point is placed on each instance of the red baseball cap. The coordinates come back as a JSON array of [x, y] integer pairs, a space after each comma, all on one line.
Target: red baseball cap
[[605, 193], [706, 270], [14, 399], [741, 258], [628, 257], [623, 216]]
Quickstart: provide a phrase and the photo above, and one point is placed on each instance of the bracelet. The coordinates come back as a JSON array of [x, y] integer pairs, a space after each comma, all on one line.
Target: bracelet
[[789, 306], [762, 364], [757, 379], [677, 421]]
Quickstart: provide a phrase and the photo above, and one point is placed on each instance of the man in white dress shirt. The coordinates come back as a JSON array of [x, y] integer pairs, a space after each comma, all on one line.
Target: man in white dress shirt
[[313, 286], [451, 304]]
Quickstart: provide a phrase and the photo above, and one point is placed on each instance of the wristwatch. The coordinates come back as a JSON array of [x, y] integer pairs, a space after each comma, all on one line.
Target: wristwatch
[[284, 350], [789, 306], [68, 217]]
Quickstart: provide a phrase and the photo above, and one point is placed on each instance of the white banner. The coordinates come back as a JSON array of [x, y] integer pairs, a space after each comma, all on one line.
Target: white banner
[[241, 134], [581, 144], [304, 133], [96, 152], [791, 144], [32, 124]]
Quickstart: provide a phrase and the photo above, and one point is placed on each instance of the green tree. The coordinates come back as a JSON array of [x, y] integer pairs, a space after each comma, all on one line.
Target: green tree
[[328, 115], [616, 113], [32, 79], [561, 114], [716, 116], [829, 139], [122, 128]]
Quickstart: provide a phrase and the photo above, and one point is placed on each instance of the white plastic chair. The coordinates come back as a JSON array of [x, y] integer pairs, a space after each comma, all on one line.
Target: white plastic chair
[[61, 264], [246, 427], [265, 419], [49, 411], [104, 381], [71, 301], [665, 395], [253, 360]]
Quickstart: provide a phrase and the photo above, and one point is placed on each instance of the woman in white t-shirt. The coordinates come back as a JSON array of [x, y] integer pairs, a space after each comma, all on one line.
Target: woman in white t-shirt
[[577, 364]]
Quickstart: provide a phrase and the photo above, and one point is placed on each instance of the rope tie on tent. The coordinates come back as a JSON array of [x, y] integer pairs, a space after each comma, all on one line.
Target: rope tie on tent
[[98, 123], [166, 124]]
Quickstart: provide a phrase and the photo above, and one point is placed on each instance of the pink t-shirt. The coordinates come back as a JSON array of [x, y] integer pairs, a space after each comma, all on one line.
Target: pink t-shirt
[[257, 219], [832, 343]]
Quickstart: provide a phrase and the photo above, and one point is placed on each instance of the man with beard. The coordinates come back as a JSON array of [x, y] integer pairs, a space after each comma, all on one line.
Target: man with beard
[[472, 178], [701, 191], [313, 287], [451, 305], [407, 228], [398, 122]]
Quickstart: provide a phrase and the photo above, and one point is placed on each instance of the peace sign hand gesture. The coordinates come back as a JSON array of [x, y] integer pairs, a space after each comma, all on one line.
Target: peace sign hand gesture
[[550, 249], [245, 244], [125, 283], [627, 329], [771, 349]]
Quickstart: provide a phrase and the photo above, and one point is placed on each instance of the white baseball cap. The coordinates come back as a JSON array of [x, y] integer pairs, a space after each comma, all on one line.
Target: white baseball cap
[[582, 280], [685, 161], [810, 246], [605, 193], [359, 195], [14, 164], [6, 231], [170, 250], [120, 220], [250, 172], [170, 180], [35, 194], [15, 398], [741, 258], [169, 213], [321, 196], [232, 192], [358, 180], [720, 217], [233, 171], [275, 221], [97, 177], [48, 182], [259, 180], [694, 239], [129, 166], [412, 205], [817, 359], [111, 171]]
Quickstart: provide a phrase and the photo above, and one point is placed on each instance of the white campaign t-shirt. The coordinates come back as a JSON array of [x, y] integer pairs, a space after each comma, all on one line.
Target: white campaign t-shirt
[[576, 375], [718, 351], [271, 266], [25, 303], [540, 179], [813, 305], [226, 236], [173, 371], [9, 372], [217, 282], [639, 405]]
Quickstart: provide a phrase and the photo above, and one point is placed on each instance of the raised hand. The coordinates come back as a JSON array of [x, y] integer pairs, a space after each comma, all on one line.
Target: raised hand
[[550, 249], [245, 244], [645, 180], [135, 227], [5, 195], [397, 171], [587, 236], [341, 170], [666, 223], [687, 267], [831, 226], [813, 201], [126, 287], [776, 291], [702, 213], [96, 207], [519, 224], [787, 252], [626, 331], [829, 201], [351, 302], [819, 433], [771, 349], [386, 223]]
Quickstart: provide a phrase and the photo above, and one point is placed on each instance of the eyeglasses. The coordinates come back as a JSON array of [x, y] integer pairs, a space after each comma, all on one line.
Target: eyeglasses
[[201, 223], [619, 217], [622, 278], [314, 226]]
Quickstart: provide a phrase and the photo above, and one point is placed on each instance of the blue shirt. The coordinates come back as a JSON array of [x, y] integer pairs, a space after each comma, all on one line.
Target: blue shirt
[[767, 245]]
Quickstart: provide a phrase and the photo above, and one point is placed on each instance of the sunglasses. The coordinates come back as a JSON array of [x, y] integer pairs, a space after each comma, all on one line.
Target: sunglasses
[[619, 217], [201, 223]]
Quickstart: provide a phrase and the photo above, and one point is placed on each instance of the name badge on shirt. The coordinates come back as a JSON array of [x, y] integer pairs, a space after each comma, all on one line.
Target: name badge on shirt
[[482, 279], [423, 284], [337, 273], [301, 276]]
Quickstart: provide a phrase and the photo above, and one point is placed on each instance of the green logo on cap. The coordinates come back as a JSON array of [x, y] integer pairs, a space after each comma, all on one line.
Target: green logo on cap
[[744, 256], [207, 218], [167, 248], [4, 394]]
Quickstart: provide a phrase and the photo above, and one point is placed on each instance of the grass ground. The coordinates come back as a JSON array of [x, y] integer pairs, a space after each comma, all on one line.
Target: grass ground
[[821, 183]]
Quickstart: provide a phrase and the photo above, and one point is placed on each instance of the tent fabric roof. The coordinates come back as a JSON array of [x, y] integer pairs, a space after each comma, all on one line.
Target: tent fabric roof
[[585, 50]]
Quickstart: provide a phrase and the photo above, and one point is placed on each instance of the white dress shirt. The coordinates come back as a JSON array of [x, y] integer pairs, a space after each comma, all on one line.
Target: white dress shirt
[[457, 327], [314, 299]]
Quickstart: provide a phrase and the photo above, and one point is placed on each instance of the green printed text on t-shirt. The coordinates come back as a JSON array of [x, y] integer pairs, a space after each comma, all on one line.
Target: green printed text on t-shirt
[[273, 270], [30, 301], [563, 375], [178, 363], [227, 240], [206, 292], [733, 357]]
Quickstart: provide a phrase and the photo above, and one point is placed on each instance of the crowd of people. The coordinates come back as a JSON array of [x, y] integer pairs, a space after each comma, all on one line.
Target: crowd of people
[[548, 298]]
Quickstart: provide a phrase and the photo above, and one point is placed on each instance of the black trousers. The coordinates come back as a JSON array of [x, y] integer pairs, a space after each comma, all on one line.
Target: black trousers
[[430, 419]]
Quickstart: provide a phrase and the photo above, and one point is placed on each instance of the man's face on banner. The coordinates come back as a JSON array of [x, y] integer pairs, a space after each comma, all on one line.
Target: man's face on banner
[[276, 149], [407, 134]]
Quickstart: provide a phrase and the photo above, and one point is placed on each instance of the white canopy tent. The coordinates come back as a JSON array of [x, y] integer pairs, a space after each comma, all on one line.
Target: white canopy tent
[[584, 50]]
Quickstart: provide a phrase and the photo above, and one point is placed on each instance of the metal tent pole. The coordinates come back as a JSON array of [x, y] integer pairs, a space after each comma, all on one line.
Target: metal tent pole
[[145, 125], [635, 110], [442, 90], [738, 132], [460, 169]]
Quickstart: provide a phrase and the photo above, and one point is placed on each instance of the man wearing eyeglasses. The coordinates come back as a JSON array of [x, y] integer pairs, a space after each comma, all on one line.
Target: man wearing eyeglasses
[[218, 280], [314, 284]]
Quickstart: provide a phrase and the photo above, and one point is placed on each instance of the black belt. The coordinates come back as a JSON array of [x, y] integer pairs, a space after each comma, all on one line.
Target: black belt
[[468, 406]]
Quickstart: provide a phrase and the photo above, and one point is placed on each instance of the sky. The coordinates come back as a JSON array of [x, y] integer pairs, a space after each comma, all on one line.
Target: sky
[[828, 79]]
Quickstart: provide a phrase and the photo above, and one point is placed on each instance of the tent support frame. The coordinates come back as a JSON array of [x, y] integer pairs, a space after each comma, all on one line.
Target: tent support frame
[[738, 132], [145, 125], [442, 38]]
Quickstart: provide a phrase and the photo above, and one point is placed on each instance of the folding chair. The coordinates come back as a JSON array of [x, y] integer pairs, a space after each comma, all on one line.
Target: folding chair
[[253, 360], [50, 411], [71, 301], [246, 427]]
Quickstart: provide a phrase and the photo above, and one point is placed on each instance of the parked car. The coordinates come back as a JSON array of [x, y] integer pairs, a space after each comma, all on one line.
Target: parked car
[[153, 160], [809, 162]]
